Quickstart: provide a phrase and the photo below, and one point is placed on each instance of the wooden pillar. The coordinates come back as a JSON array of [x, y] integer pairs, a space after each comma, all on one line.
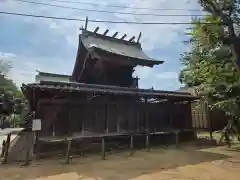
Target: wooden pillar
[[137, 108], [36, 134], [3, 148], [146, 115], [131, 145], [56, 110], [29, 145], [30, 135], [93, 116], [200, 120], [177, 138], [36, 147], [103, 149], [172, 111], [118, 125], [6, 149], [69, 121], [147, 124], [68, 157], [82, 118], [106, 118], [147, 142], [209, 120]]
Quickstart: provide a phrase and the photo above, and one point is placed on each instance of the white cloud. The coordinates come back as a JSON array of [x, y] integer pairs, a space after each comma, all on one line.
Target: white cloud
[[158, 79], [6, 56], [153, 36], [158, 36], [24, 68], [142, 72], [167, 75]]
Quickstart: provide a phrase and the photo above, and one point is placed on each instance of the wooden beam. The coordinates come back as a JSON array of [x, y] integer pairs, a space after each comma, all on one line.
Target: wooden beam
[[132, 39], [86, 23], [115, 34], [105, 33], [103, 149], [139, 37], [97, 28], [125, 35]]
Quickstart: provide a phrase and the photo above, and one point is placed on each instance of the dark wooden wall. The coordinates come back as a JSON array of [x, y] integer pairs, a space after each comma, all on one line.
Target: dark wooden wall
[[66, 117]]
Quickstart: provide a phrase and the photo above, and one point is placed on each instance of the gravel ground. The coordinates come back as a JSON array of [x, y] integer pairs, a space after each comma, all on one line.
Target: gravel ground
[[187, 162]]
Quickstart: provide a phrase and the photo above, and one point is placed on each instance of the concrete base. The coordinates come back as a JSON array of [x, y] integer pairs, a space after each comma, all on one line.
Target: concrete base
[[4, 132], [18, 147]]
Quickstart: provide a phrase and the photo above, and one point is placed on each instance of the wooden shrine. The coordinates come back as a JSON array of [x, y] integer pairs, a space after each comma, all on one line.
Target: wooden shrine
[[103, 100]]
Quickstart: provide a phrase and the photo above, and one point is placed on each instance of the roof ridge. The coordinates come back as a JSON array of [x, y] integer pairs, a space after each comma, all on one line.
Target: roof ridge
[[104, 36]]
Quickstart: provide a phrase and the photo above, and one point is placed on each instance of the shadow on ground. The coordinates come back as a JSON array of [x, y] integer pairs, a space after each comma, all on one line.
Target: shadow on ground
[[118, 166], [234, 149]]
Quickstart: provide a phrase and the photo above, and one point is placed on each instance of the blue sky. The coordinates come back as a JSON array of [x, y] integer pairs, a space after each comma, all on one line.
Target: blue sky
[[50, 45]]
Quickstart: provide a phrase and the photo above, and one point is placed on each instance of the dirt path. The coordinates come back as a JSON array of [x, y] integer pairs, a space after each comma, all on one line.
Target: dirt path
[[187, 162]]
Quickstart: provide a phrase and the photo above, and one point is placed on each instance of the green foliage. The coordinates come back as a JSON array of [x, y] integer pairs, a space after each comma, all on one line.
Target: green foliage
[[7, 86], [12, 92], [210, 65]]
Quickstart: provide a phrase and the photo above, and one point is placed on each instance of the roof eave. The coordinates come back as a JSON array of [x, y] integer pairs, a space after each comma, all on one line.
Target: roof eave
[[136, 61], [40, 73], [81, 87]]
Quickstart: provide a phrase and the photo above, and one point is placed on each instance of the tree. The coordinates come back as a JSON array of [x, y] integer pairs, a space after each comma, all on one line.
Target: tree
[[11, 98], [227, 11], [7, 86], [209, 66]]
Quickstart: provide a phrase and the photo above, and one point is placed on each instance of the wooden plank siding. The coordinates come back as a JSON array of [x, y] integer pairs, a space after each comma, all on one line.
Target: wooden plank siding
[[66, 118], [204, 118]]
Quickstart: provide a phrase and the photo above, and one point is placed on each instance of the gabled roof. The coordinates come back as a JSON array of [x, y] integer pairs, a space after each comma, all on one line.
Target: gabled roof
[[106, 46]]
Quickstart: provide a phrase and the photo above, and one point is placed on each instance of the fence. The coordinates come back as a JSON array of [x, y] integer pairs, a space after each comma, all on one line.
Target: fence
[[12, 121], [200, 121], [205, 119]]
